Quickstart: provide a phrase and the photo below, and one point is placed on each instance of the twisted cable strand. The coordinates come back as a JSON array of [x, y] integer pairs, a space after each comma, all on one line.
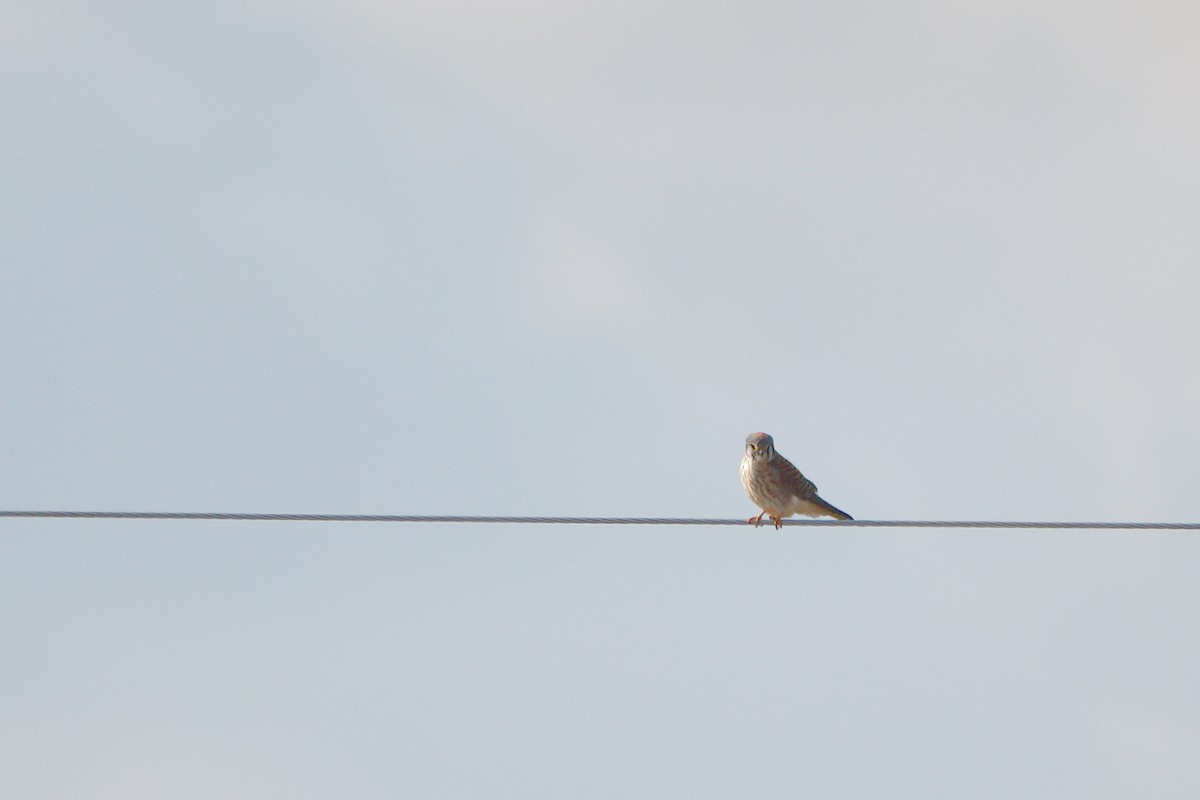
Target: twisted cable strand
[[535, 520]]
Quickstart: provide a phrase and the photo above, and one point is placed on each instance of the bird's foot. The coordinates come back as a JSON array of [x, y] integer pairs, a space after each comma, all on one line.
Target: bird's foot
[[778, 521], [757, 520]]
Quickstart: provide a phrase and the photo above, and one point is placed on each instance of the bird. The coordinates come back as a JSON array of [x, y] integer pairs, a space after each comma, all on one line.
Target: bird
[[777, 487]]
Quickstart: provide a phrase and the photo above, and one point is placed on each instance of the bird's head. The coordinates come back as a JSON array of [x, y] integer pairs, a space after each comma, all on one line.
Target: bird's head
[[761, 446]]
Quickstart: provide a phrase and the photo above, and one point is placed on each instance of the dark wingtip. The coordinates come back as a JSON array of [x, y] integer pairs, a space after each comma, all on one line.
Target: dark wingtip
[[837, 512]]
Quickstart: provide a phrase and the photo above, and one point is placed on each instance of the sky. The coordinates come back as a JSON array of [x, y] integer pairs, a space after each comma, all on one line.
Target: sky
[[535, 258]]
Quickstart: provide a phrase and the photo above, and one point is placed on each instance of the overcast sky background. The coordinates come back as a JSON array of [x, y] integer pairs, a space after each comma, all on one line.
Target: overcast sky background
[[559, 259]]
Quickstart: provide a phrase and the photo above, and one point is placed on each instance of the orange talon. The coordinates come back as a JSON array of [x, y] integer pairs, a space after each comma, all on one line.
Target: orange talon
[[757, 520], [778, 522]]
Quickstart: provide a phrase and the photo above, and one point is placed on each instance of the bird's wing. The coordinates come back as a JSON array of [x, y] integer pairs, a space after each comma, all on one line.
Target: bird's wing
[[794, 479], [806, 489], [832, 511]]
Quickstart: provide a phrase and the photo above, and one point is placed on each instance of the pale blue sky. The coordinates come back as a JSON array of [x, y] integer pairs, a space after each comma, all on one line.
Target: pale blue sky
[[537, 258]]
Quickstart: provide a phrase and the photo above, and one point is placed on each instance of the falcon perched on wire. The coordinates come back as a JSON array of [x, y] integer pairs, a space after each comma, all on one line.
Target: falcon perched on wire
[[777, 487]]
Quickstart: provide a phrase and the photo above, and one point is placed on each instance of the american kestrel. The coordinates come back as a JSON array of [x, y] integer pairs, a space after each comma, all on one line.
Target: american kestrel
[[777, 487]]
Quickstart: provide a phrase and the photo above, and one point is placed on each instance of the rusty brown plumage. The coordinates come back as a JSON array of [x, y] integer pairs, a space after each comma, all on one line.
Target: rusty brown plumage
[[775, 485]]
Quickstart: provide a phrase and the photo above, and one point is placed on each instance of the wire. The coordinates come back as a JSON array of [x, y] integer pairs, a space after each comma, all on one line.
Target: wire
[[855, 523]]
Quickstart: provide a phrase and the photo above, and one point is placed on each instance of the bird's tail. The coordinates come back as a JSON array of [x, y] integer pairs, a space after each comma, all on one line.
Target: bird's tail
[[834, 512]]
